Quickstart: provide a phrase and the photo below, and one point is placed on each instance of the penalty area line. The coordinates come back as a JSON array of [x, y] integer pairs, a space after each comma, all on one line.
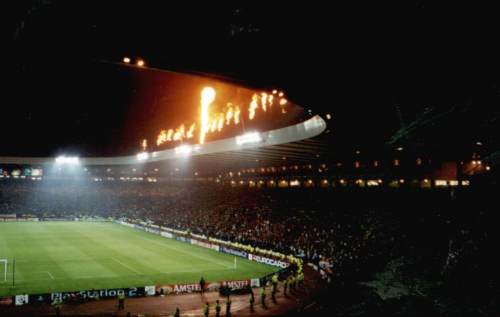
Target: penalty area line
[[127, 266], [208, 259]]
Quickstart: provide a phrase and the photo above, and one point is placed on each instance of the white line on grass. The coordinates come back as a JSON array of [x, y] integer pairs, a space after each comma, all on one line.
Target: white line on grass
[[51, 276], [194, 271], [189, 253], [127, 266], [149, 275]]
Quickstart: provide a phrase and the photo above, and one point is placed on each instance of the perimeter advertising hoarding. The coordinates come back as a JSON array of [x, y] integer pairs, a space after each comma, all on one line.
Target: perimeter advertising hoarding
[[78, 296], [166, 234], [186, 288], [239, 253], [205, 244], [6, 301], [268, 261]]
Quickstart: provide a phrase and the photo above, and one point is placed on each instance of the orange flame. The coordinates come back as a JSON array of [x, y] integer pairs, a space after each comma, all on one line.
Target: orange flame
[[264, 101], [253, 105], [237, 115], [229, 113], [220, 122], [207, 97], [190, 132]]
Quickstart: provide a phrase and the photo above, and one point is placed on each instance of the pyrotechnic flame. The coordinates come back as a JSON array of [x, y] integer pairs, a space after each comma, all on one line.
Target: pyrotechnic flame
[[207, 97], [232, 114], [237, 115], [182, 131], [144, 144], [190, 132], [253, 105], [169, 134], [177, 136], [162, 138], [220, 122], [213, 126], [229, 113], [263, 100]]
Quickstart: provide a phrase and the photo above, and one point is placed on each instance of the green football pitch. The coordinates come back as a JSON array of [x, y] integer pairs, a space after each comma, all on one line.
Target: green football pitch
[[71, 256]]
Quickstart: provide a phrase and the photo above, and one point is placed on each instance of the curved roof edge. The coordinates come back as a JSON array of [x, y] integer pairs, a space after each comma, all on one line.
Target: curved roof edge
[[253, 139]]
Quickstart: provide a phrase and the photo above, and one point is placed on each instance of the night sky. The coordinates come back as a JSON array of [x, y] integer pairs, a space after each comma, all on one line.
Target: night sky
[[59, 93]]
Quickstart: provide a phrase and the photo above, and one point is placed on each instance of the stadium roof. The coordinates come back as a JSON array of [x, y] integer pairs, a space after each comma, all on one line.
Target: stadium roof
[[359, 64], [269, 146]]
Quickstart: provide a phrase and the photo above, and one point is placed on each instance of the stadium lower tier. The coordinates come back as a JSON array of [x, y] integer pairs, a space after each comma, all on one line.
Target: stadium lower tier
[[433, 238]]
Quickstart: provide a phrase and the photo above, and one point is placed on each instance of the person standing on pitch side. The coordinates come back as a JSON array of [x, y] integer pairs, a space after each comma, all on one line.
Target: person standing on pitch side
[[217, 308], [206, 309], [202, 285], [228, 306], [121, 301], [263, 296]]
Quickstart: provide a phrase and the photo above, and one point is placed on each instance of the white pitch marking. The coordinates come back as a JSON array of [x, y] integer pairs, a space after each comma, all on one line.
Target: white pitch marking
[[51, 276], [194, 271], [189, 253], [127, 266]]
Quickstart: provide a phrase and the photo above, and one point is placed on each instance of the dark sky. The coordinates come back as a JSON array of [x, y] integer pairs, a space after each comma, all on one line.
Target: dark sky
[[358, 63]]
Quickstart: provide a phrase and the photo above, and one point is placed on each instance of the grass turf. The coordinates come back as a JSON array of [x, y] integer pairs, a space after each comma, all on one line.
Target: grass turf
[[70, 256]]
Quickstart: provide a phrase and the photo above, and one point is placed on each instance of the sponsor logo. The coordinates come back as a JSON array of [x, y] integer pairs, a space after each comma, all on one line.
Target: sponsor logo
[[186, 288], [182, 239], [255, 282], [127, 224], [94, 294], [214, 247], [150, 290], [201, 244], [268, 261], [152, 230], [242, 254], [234, 285], [21, 300]]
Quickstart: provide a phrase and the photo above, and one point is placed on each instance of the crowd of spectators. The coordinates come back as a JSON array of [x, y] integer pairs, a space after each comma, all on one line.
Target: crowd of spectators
[[343, 231]]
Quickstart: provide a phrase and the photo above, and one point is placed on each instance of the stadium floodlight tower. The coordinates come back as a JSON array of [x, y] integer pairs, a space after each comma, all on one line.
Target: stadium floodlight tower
[[4, 262]]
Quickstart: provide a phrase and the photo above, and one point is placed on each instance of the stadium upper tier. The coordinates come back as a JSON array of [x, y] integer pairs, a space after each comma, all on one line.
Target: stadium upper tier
[[254, 139]]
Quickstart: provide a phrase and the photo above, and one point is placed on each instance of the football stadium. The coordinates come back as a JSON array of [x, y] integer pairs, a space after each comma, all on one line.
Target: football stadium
[[222, 161]]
